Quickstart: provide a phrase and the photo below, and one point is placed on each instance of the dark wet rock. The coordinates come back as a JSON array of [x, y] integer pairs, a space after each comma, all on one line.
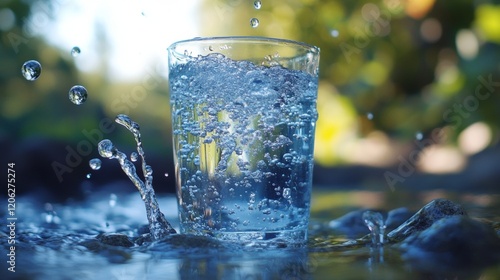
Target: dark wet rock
[[425, 217], [453, 242], [352, 224], [115, 239]]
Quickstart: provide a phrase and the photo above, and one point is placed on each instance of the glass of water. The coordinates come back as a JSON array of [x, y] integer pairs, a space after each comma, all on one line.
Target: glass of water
[[243, 121]]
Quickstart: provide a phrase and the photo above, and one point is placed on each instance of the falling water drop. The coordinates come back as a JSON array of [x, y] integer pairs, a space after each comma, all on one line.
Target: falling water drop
[[375, 223], [75, 51], [166, 174], [254, 22], [419, 136], [257, 4], [369, 116], [78, 94], [89, 175], [95, 164], [31, 70], [112, 200]]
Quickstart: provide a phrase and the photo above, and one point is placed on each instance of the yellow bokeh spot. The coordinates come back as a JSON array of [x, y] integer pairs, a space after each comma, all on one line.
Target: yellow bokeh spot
[[488, 23], [374, 73], [336, 126]]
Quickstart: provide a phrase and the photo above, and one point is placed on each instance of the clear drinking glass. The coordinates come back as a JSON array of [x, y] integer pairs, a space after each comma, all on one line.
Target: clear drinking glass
[[243, 121]]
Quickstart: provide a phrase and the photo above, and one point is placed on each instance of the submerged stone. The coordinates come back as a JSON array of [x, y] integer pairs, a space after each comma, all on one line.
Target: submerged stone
[[453, 242], [425, 217]]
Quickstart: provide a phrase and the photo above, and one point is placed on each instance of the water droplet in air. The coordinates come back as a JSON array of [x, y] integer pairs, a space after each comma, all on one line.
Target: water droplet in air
[[369, 116], [78, 94], [334, 33], [254, 22], [89, 175], [166, 174], [95, 164], [134, 156], [31, 70], [106, 148], [75, 51], [257, 4], [419, 136]]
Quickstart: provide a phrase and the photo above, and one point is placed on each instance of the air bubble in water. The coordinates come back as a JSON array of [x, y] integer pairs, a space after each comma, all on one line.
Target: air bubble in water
[[31, 70], [75, 51], [78, 94], [254, 22], [134, 156], [257, 4], [287, 193], [112, 200], [95, 164]]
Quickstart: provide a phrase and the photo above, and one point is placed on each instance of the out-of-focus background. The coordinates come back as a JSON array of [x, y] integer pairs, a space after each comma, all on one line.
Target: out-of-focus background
[[408, 96]]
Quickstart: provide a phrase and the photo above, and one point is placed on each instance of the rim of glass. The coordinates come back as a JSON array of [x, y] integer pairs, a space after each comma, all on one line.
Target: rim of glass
[[261, 39]]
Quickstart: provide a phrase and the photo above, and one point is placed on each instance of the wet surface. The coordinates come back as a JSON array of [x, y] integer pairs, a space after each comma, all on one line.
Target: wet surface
[[105, 237]]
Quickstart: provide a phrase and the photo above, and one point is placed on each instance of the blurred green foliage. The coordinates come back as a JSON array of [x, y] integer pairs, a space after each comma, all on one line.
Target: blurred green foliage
[[412, 65]]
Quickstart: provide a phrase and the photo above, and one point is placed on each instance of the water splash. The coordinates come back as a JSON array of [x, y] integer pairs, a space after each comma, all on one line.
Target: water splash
[[95, 164], [78, 94], [254, 22], [75, 51], [375, 223], [31, 70], [159, 227], [134, 156]]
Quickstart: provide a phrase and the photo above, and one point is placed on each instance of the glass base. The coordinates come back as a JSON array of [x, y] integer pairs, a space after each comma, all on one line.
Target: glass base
[[278, 239]]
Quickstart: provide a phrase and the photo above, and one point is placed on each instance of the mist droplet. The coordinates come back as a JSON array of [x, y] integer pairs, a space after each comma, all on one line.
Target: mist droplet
[[78, 94], [369, 116], [31, 70], [254, 22], [134, 156], [95, 164], [257, 4], [419, 136], [334, 33], [75, 51]]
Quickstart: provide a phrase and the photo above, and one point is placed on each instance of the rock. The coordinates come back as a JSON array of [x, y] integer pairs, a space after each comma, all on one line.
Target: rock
[[425, 217], [352, 224], [396, 217], [453, 242], [115, 239]]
